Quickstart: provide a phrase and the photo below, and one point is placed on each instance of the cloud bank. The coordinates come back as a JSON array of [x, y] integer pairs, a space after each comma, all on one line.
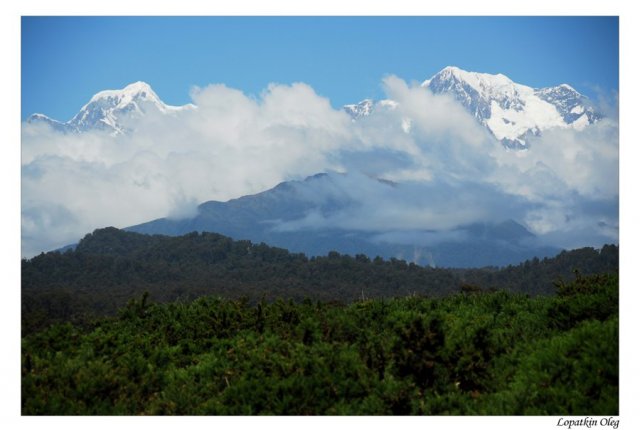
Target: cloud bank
[[449, 171]]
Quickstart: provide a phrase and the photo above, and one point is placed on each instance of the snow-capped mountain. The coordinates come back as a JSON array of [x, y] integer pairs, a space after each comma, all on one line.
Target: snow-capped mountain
[[114, 111], [512, 112], [359, 110], [367, 106]]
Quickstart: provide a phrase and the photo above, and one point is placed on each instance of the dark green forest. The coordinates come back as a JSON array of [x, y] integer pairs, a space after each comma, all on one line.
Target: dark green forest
[[130, 324], [491, 353]]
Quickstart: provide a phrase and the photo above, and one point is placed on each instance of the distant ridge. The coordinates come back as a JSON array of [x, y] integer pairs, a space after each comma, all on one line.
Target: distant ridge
[[277, 217]]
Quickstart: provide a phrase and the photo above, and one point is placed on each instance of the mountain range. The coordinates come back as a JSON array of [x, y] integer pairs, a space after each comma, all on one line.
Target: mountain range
[[512, 112], [296, 215]]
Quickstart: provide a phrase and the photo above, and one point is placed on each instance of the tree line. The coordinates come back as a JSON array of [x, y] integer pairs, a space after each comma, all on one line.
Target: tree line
[[111, 266]]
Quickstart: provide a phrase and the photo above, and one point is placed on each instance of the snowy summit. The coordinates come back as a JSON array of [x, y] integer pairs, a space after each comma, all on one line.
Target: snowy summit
[[512, 112], [114, 111]]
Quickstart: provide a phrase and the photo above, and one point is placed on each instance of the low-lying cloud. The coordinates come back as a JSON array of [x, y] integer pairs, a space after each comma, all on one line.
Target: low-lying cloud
[[447, 169]]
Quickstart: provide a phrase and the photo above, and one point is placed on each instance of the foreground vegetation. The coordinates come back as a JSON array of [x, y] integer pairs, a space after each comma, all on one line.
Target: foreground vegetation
[[469, 353]]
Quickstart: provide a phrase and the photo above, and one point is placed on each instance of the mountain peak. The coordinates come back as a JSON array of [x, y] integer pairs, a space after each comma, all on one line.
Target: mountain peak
[[359, 110], [451, 69], [114, 111], [478, 81], [567, 87], [135, 91], [38, 117], [138, 86], [107, 108]]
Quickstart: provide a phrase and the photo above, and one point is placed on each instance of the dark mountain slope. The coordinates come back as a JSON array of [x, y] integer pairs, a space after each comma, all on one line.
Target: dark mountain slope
[[322, 214]]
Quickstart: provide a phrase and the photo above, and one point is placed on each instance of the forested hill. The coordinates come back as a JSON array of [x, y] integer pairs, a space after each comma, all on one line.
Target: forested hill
[[111, 266]]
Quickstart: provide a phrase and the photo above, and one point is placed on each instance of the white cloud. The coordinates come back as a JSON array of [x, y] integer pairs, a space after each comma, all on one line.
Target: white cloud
[[563, 160], [451, 171], [229, 146]]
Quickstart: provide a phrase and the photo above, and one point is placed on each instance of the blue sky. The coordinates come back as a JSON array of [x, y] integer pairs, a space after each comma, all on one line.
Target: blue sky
[[65, 60]]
